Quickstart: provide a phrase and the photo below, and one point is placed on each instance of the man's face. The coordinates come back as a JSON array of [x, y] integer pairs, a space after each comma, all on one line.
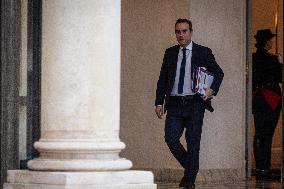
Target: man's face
[[269, 44], [183, 34]]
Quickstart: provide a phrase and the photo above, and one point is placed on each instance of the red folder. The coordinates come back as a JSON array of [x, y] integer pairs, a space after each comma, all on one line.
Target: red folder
[[270, 97]]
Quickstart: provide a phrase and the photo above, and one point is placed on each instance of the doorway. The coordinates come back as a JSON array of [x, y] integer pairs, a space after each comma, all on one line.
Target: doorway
[[262, 14]]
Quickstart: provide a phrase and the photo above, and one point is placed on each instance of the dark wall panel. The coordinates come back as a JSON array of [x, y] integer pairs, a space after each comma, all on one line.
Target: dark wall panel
[[10, 69], [34, 72]]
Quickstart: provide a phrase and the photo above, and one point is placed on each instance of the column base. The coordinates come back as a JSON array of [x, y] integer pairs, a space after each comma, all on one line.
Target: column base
[[41, 164], [25, 179]]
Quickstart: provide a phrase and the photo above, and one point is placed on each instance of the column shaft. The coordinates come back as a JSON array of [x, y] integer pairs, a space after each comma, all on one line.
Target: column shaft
[[80, 87]]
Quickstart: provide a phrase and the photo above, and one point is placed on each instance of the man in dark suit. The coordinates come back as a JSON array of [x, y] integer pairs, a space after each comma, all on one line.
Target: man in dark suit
[[176, 94]]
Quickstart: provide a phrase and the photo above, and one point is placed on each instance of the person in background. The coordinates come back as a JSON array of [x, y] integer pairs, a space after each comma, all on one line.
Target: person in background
[[266, 101]]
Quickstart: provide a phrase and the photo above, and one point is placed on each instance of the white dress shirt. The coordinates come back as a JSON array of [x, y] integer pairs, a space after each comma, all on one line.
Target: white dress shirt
[[187, 76]]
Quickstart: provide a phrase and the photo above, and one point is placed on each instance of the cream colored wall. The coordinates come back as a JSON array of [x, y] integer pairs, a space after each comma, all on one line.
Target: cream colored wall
[[220, 25], [264, 17], [147, 29]]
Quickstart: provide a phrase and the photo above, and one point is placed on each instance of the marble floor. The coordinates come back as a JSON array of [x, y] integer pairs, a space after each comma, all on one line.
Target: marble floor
[[250, 184]]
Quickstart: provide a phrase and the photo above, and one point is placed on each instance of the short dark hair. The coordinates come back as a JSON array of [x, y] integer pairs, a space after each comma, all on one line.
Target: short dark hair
[[184, 20]]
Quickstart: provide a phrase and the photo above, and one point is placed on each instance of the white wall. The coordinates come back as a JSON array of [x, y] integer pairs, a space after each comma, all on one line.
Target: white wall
[[220, 25], [147, 29]]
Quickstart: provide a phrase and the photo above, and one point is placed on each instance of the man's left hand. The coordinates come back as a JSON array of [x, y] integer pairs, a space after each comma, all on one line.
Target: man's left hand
[[208, 94]]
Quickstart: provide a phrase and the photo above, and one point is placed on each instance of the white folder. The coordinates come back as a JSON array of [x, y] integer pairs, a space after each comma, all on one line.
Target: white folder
[[204, 80]]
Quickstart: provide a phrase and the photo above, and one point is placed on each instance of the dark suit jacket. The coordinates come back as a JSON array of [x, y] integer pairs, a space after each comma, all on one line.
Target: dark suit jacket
[[266, 74], [266, 71], [201, 57]]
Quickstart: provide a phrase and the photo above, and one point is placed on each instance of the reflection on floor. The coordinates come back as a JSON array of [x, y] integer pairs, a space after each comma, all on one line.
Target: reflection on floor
[[249, 184]]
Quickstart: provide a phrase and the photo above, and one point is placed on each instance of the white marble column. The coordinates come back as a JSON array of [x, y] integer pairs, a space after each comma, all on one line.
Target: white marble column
[[80, 145], [80, 87]]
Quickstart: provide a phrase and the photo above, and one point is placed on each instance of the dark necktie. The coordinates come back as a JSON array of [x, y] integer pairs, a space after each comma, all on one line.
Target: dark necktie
[[182, 72]]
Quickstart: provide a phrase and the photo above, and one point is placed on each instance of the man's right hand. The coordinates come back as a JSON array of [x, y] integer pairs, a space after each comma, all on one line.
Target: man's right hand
[[159, 111]]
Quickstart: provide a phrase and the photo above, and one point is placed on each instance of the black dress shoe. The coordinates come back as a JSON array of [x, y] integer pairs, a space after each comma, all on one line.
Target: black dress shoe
[[192, 186], [267, 175], [182, 182]]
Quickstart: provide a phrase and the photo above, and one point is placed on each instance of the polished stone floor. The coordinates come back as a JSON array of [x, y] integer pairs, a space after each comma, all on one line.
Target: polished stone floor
[[250, 184]]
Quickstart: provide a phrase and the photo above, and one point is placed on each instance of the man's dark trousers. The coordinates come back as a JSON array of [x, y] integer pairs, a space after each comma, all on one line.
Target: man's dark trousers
[[185, 114]]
